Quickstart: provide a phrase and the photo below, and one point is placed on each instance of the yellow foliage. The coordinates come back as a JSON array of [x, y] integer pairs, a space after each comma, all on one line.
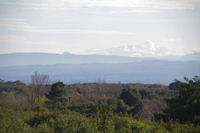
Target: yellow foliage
[[12, 93], [9, 94], [77, 94], [43, 99], [4, 93], [78, 86], [104, 96]]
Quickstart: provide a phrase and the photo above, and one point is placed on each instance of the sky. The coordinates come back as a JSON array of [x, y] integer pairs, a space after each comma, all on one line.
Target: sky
[[136, 27]]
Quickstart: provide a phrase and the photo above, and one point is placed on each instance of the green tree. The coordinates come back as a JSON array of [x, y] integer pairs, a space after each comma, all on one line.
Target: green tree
[[122, 107], [58, 95], [132, 98], [145, 94], [104, 118], [185, 106]]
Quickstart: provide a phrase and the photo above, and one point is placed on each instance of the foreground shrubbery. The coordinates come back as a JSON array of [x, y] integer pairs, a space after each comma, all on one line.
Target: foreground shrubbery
[[37, 119]]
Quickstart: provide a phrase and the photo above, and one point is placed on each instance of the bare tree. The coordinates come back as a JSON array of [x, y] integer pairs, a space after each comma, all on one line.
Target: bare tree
[[38, 83]]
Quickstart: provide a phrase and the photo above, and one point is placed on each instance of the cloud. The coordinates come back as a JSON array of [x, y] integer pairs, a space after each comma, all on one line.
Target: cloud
[[13, 24], [147, 49], [140, 4], [21, 25], [102, 24]]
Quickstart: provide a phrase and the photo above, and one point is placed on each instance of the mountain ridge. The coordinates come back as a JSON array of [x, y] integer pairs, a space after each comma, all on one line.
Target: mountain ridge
[[163, 72], [14, 59]]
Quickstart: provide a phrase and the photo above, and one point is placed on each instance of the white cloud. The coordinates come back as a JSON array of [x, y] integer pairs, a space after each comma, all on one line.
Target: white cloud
[[147, 49], [21, 25], [13, 24], [140, 4]]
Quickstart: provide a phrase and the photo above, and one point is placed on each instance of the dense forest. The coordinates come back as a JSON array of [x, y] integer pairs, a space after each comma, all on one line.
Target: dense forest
[[44, 106]]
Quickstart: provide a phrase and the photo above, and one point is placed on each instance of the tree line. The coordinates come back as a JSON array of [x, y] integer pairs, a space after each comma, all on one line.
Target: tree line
[[99, 107]]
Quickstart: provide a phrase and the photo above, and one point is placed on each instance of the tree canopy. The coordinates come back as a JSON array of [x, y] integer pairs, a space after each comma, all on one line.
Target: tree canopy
[[58, 95], [185, 106]]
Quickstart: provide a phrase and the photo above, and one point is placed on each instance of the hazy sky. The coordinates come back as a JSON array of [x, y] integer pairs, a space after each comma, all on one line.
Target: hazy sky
[[56, 26]]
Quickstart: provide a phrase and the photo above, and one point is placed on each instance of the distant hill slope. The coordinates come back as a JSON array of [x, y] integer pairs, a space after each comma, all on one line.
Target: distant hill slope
[[150, 71], [45, 58]]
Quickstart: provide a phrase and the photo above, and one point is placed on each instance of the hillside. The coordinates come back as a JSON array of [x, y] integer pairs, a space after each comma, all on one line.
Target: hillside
[[151, 71], [14, 59]]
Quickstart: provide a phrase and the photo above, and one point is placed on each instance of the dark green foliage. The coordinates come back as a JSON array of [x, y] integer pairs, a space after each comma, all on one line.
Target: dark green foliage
[[41, 115], [12, 86], [145, 94], [174, 86], [185, 106], [132, 98], [122, 107], [58, 95], [83, 108]]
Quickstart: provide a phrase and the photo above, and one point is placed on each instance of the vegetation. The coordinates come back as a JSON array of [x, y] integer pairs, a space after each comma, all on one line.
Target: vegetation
[[57, 95], [185, 106], [100, 107]]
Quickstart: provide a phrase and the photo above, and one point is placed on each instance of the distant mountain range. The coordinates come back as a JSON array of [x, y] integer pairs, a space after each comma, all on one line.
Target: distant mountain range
[[68, 58], [72, 68], [146, 72]]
